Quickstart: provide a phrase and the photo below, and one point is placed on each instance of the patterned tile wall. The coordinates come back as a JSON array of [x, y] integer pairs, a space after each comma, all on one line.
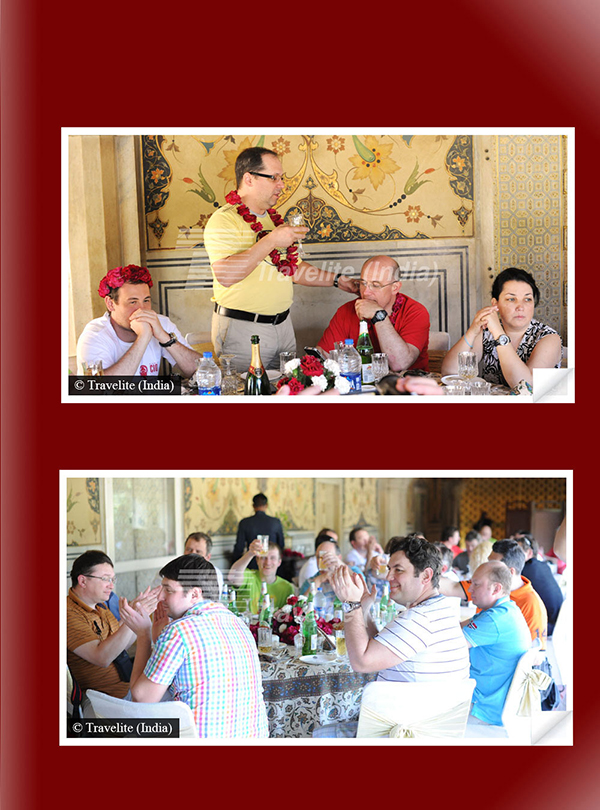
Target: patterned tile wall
[[530, 215]]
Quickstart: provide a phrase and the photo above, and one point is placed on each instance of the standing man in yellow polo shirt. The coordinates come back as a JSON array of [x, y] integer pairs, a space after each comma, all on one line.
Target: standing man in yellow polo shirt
[[254, 261]]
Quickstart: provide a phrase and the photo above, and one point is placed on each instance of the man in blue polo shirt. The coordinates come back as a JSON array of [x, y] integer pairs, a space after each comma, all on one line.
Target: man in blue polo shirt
[[497, 638]]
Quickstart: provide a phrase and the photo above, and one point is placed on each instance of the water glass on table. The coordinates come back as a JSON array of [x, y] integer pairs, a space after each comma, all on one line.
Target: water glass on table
[[457, 388], [467, 365], [380, 365], [93, 369], [285, 357], [480, 388]]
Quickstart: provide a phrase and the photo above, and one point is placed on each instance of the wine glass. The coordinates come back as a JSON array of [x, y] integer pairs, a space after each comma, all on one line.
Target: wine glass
[[296, 218], [229, 380], [467, 366], [380, 365]]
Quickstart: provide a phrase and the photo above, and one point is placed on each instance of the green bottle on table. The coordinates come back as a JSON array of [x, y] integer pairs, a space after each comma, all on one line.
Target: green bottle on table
[[265, 642], [257, 380], [309, 631], [365, 348], [384, 604]]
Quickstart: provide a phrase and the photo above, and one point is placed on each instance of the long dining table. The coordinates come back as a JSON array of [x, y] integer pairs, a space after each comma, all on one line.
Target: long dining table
[[300, 696]]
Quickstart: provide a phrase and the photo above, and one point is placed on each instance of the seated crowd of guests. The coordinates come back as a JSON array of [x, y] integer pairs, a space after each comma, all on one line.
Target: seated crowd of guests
[[191, 647]]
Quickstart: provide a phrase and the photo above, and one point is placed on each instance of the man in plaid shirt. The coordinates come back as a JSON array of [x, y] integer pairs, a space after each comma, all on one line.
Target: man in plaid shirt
[[205, 654]]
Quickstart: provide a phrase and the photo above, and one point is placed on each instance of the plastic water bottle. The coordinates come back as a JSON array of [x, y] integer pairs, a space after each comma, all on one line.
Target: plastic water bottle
[[351, 366], [320, 604], [208, 375]]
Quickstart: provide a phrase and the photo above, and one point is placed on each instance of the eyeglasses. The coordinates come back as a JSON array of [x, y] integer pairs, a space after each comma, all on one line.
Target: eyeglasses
[[113, 580], [373, 285], [274, 177]]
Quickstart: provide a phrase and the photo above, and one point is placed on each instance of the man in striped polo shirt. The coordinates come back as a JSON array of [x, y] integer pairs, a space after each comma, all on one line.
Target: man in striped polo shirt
[[422, 643], [206, 654]]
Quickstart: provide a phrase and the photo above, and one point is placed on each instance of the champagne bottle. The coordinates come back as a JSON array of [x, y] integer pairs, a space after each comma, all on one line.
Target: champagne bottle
[[309, 631], [365, 348], [257, 380]]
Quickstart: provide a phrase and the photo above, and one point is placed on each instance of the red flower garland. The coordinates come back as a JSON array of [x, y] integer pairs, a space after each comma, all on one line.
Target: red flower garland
[[286, 266]]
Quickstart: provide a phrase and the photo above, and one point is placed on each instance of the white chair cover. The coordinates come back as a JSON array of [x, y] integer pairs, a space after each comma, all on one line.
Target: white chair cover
[[530, 684], [411, 710], [449, 724], [106, 706]]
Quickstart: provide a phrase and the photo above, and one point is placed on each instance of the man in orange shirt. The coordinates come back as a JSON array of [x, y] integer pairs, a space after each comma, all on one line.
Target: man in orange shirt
[[529, 602]]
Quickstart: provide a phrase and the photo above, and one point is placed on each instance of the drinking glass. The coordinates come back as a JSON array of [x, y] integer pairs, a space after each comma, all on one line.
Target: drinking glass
[[467, 365], [296, 218], [456, 389], [382, 568], [480, 388], [340, 644], [380, 365], [264, 539], [285, 357], [93, 369], [334, 355], [229, 380]]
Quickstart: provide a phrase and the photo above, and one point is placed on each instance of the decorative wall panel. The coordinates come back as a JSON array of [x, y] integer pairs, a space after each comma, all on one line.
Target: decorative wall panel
[[84, 520], [530, 212], [358, 188], [493, 494]]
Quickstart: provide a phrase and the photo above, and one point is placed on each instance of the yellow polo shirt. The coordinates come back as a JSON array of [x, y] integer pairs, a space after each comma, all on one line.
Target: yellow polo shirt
[[265, 291]]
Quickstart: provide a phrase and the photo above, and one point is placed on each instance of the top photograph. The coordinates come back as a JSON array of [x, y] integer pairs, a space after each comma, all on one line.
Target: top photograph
[[332, 267]]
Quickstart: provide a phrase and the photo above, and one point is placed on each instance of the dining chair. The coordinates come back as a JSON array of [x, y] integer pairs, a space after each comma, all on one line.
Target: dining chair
[[560, 644], [108, 707], [428, 711], [439, 343]]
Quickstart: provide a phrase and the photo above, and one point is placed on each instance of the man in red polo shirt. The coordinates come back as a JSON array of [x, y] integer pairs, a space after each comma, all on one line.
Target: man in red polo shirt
[[398, 325]]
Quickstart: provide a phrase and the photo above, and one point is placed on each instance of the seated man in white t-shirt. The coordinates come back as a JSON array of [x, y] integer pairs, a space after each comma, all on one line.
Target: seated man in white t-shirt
[[359, 540], [130, 338], [422, 643]]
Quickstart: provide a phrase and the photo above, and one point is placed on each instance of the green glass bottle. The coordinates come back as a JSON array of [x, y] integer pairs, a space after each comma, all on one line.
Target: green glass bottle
[[309, 631], [384, 602], [365, 348], [265, 642], [257, 380], [233, 602]]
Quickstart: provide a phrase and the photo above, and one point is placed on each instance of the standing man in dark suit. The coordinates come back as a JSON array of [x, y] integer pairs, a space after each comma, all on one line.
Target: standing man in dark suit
[[260, 523]]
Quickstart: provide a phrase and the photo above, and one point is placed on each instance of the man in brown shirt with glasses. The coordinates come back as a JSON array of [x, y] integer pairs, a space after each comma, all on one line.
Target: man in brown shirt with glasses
[[94, 636], [398, 325]]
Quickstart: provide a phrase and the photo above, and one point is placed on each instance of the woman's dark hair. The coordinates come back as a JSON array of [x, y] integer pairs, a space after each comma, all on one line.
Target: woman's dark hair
[[420, 553], [515, 274]]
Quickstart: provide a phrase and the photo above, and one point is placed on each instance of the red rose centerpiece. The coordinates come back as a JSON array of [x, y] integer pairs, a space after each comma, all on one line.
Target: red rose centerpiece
[[308, 370]]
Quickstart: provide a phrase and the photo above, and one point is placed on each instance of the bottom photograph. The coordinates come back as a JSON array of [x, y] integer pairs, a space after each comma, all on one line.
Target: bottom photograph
[[347, 608]]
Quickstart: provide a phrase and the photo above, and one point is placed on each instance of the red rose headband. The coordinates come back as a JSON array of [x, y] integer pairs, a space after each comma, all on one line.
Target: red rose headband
[[132, 274]]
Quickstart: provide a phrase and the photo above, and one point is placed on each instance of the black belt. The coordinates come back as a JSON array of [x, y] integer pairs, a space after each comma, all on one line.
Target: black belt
[[240, 315]]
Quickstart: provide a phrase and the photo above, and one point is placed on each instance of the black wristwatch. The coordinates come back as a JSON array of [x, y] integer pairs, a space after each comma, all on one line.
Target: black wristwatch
[[170, 342], [336, 280], [503, 340], [350, 606], [380, 315]]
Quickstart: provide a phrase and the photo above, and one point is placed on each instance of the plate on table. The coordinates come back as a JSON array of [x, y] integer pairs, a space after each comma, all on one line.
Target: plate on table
[[319, 658], [452, 378]]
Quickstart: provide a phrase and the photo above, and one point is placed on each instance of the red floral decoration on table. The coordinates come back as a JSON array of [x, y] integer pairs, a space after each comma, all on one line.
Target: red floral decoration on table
[[310, 366], [118, 276], [287, 266], [309, 371]]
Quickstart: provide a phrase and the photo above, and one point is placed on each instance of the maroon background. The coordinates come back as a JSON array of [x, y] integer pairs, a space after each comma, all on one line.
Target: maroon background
[[73, 64]]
